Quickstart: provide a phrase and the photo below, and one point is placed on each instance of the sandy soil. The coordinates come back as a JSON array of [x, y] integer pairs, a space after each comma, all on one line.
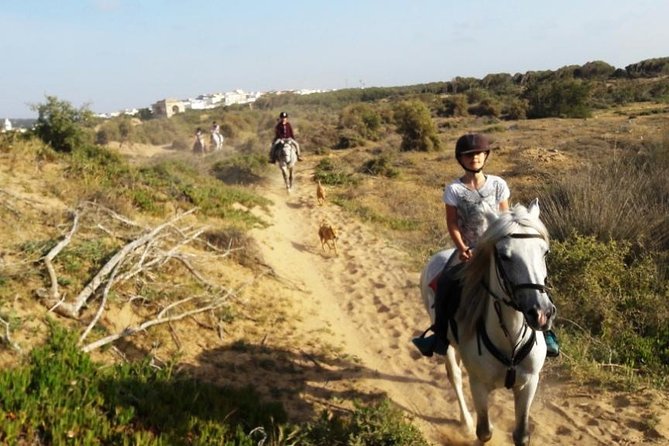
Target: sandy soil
[[366, 302], [351, 339]]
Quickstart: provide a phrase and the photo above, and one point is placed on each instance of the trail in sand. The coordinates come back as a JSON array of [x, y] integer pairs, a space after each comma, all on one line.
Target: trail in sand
[[370, 302]]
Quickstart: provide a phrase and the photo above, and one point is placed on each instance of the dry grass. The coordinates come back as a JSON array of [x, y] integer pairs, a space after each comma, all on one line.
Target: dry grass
[[527, 154]]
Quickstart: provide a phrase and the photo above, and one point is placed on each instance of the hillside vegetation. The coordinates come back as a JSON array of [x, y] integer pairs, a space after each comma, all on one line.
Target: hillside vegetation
[[95, 242]]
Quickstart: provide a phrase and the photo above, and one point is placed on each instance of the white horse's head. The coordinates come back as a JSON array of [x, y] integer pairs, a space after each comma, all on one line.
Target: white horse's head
[[511, 258], [287, 152]]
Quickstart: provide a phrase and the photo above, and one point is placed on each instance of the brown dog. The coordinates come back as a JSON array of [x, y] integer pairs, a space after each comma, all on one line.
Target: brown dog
[[328, 236], [320, 193]]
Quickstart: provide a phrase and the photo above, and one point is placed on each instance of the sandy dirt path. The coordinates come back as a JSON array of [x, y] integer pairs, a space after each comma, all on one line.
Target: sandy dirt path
[[366, 301]]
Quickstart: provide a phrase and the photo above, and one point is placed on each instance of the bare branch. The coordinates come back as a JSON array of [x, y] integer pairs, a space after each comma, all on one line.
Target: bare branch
[[162, 318], [98, 314], [54, 294], [73, 309], [150, 323], [7, 338]]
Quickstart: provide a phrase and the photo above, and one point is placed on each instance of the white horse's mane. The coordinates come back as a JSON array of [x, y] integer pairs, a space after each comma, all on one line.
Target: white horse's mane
[[475, 272]]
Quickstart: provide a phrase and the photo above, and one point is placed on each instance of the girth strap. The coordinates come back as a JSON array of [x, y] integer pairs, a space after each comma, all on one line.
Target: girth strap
[[510, 363]]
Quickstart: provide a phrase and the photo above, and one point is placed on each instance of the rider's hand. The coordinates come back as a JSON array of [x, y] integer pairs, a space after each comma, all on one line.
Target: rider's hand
[[466, 255]]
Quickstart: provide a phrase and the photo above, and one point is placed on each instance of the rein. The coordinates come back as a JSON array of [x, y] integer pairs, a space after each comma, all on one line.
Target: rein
[[518, 352]]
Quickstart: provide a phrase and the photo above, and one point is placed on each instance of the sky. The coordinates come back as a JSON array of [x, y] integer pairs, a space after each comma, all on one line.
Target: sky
[[110, 55]]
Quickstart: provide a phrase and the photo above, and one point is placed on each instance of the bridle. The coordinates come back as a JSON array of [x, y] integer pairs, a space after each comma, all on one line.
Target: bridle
[[518, 352], [508, 286]]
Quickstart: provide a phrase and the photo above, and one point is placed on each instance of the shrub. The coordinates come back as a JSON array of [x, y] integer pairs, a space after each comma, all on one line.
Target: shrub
[[349, 139], [487, 107], [514, 109], [454, 105], [61, 396], [61, 125], [607, 294], [415, 124], [378, 424], [595, 70], [380, 165], [362, 119], [333, 173], [102, 137], [560, 98]]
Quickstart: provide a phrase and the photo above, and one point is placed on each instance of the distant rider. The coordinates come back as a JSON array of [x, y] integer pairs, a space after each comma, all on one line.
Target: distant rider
[[283, 130]]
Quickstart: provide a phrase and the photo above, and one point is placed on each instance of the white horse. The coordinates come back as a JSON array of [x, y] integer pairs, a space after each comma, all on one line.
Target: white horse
[[287, 157], [499, 325], [216, 141]]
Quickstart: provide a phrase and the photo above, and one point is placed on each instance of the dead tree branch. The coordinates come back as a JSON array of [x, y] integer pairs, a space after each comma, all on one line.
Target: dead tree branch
[[7, 338], [98, 314], [163, 316], [53, 295], [161, 319], [73, 309]]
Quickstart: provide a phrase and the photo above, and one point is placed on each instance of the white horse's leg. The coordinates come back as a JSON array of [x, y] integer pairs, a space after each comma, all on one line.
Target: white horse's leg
[[480, 395], [285, 178], [523, 398], [454, 372]]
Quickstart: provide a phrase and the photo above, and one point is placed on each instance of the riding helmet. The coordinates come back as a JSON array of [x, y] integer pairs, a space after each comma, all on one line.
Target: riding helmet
[[283, 115], [470, 143]]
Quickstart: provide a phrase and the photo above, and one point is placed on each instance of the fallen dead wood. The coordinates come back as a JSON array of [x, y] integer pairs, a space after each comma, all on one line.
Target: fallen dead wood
[[142, 255], [73, 309], [54, 295]]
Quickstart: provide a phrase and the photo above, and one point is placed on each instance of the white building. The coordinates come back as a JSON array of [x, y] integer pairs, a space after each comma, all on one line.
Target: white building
[[6, 125]]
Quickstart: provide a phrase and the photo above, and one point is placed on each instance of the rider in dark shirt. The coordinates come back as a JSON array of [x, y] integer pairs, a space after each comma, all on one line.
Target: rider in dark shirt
[[283, 130]]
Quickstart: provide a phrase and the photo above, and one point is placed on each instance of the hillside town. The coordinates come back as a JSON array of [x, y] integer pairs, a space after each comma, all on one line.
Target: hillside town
[[168, 107]]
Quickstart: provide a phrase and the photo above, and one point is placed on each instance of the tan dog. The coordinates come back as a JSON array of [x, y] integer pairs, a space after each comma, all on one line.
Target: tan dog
[[328, 236], [320, 193]]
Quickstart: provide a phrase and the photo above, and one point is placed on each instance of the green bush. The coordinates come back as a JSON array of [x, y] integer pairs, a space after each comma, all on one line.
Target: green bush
[[379, 424], [487, 107], [61, 397], [454, 105], [566, 98], [515, 109], [334, 173], [363, 119], [380, 166], [612, 300], [415, 124], [61, 125]]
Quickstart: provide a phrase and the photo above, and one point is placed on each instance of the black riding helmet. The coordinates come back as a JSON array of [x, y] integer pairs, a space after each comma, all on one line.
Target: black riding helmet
[[472, 143], [283, 115]]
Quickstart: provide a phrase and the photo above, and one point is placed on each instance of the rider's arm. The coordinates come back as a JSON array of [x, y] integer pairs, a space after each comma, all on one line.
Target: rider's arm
[[454, 231]]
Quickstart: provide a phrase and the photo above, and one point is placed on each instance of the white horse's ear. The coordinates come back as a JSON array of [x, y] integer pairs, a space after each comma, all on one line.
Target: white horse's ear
[[534, 208]]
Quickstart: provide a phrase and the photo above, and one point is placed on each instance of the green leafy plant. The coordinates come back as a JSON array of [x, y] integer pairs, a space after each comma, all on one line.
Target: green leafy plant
[[415, 124], [61, 125]]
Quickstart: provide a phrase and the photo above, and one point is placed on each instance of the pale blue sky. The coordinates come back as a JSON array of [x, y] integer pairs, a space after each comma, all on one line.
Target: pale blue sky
[[116, 54]]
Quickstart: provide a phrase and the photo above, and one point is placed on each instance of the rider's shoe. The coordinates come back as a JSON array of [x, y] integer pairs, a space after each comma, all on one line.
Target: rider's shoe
[[552, 346], [430, 345]]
